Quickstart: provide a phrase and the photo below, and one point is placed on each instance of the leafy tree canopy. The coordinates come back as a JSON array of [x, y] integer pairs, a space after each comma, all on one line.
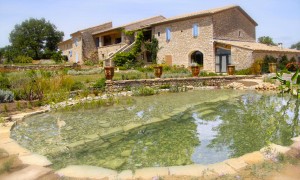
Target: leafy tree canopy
[[296, 46], [266, 40], [35, 36]]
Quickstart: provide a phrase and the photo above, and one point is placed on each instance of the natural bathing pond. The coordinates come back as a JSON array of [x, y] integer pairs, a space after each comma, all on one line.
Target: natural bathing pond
[[202, 127]]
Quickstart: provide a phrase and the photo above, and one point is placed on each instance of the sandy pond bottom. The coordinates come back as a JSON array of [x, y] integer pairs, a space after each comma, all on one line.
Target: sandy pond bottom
[[201, 127]]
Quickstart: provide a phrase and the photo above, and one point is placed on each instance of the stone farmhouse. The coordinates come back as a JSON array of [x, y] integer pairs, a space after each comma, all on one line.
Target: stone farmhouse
[[213, 38]]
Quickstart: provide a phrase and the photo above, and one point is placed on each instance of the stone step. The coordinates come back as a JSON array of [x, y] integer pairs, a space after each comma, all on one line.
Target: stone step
[[31, 172], [35, 159]]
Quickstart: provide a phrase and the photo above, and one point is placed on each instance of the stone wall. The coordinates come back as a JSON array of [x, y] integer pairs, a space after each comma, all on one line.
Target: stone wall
[[117, 86], [182, 43], [261, 55], [241, 58], [10, 68], [66, 47], [76, 49], [232, 24]]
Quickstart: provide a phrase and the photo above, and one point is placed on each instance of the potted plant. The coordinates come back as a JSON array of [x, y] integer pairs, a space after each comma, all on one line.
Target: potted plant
[[272, 67], [158, 70], [109, 72], [230, 69], [195, 69]]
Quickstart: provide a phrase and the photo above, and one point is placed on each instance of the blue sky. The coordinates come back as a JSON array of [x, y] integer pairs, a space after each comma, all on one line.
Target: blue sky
[[276, 18]]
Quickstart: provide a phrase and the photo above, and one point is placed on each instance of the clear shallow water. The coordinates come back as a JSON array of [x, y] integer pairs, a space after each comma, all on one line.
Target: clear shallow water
[[201, 127]]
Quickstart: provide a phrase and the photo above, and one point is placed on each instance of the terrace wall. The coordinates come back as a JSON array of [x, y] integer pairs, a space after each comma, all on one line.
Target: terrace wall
[[118, 86]]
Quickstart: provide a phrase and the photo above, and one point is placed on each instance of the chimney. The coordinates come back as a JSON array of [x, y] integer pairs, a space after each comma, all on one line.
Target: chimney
[[280, 45]]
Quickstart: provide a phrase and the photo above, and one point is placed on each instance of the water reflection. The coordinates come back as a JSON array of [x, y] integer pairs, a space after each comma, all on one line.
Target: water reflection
[[252, 121]]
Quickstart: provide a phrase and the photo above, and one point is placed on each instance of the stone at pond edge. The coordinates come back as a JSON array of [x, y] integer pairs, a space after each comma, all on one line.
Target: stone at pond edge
[[252, 158], [221, 168], [189, 170], [35, 159], [148, 173], [127, 174], [91, 172]]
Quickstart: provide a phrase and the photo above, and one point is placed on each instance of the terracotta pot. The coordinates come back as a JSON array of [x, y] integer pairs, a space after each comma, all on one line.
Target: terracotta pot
[[230, 69], [272, 67], [195, 71], [158, 71], [109, 72]]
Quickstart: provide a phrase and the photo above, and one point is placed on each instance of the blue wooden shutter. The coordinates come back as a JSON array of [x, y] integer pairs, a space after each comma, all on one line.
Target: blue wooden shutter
[[195, 30], [168, 34]]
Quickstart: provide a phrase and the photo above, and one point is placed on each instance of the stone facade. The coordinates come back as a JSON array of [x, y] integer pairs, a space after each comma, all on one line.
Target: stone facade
[[232, 24], [261, 55], [182, 43], [82, 44], [224, 36], [241, 58]]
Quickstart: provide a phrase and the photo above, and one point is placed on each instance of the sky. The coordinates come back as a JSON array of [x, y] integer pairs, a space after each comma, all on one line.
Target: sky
[[279, 19]]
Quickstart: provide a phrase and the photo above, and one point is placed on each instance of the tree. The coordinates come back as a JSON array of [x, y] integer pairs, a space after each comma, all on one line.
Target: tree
[[35, 36], [266, 40], [9, 53], [296, 46]]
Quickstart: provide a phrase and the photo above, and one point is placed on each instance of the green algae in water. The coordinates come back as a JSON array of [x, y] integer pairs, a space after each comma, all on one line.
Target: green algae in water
[[209, 131], [160, 144]]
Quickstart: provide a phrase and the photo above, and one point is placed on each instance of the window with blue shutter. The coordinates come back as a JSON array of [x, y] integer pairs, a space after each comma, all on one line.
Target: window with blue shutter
[[195, 30], [168, 34]]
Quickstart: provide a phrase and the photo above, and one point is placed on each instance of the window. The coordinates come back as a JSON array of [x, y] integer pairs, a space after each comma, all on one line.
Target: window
[[118, 40], [195, 30], [97, 42], [76, 42], [158, 34], [168, 34], [70, 53], [240, 33]]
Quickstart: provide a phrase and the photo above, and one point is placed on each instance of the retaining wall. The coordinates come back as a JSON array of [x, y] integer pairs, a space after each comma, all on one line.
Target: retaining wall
[[9, 68], [124, 85]]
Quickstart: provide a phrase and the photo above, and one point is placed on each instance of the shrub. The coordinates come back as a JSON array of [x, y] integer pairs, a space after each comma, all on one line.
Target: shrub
[[266, 61], [23, 59], [6, 96], [89, 63], [244, 72], [256, 67], [77, 86], [205, 73], [292, 66], [124, 59], [57, 57], [4, 82], [176, 88], [100, 84], [283, 61], [144, 91]]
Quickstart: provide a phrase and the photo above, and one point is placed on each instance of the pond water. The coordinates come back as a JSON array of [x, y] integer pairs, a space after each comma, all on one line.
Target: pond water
[[202, 127]]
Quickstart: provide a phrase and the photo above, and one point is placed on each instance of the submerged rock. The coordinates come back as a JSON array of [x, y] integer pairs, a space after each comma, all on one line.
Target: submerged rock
[[126, 153], [115, 163]]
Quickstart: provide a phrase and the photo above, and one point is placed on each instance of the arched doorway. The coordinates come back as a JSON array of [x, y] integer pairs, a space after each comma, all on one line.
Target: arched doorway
[[197, 57]]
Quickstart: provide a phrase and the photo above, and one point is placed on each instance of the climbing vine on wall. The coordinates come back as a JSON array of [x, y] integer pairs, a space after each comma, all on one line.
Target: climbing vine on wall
[[153, 48]]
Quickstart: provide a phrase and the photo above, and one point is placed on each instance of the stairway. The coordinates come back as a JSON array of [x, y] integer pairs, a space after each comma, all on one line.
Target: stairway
[[125, 48]]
